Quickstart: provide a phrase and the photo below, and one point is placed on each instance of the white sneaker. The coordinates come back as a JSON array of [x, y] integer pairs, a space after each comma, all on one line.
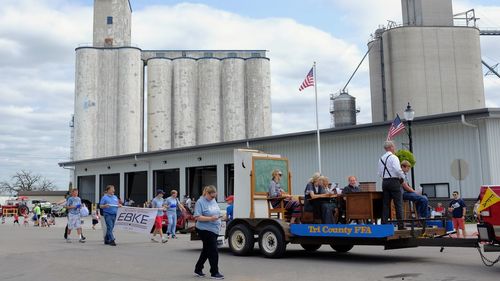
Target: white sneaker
[[164, 240], [68, 240], [154, 240], [81, 240]]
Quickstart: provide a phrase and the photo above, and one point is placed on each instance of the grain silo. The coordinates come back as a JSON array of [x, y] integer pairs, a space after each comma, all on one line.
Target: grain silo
[[184, 101], [233, 99], [428, 62], [159, 107], [258, 97], [344, 110], [194, 97], [209, 101], [85, 118]]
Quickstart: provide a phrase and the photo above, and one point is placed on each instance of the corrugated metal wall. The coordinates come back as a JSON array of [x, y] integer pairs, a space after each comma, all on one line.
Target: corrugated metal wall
[[354, 152]]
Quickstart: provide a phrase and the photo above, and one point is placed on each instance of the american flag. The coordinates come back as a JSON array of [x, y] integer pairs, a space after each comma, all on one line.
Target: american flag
[[396, 127], [309, 81]]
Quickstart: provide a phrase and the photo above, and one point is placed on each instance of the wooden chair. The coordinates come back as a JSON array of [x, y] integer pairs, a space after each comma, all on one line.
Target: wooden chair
[[410, 210], [278, 212]]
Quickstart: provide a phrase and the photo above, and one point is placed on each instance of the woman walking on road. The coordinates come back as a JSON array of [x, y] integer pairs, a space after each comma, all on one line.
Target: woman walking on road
[[172, 203], [208, 223]]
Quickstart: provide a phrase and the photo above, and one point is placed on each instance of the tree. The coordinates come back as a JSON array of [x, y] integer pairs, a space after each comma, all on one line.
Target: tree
[[26, 181], [404, 154]]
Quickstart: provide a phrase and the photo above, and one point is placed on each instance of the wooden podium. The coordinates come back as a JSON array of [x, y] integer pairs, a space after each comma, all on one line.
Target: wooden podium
[[363, 205]]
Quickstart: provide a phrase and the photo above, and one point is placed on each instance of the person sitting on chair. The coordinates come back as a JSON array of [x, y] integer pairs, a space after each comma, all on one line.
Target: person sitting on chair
[[313, 192], [410, 194], [275, 191]]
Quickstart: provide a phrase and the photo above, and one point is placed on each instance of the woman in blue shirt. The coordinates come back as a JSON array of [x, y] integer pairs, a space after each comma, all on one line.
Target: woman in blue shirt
[[207, 215], [172, 203]]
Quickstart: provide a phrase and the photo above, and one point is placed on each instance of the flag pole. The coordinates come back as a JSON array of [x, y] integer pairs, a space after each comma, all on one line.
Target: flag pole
[[317, 122]]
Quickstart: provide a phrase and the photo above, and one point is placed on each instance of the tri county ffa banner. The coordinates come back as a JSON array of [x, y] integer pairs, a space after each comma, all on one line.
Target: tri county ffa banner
[[138, 220], [343, 230]]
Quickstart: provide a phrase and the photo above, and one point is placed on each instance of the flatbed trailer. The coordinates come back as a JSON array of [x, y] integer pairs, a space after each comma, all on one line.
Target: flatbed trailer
[[273, 235], [252, 223]]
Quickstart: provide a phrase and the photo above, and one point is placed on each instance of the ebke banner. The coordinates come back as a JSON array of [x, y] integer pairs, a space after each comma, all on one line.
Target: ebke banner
[[139, 220]]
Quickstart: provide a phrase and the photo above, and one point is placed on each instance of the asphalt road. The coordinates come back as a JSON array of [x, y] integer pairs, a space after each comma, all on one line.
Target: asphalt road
[[42, 254]]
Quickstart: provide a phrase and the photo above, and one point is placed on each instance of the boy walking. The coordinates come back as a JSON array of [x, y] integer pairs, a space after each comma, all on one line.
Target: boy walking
[[158, 203], [73, 204], [457, 208]]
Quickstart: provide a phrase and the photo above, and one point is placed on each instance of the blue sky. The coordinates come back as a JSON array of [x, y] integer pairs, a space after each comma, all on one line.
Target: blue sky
[[38, 38]]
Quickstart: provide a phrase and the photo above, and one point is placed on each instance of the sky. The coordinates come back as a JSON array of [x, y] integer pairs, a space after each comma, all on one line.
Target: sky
[[37, 59]]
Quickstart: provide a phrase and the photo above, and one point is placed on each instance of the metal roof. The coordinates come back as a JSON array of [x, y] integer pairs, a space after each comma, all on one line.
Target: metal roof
[[42, 193], [444, 117]]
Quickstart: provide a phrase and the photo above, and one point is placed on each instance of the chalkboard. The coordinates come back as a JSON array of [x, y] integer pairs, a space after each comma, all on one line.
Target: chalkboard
[[262, 173]]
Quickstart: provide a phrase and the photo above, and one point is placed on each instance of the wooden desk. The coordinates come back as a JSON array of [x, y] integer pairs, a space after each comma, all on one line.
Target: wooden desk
[[363, 205]]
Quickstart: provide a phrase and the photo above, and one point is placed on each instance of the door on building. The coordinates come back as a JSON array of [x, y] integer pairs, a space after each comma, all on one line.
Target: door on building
[[86, 188], [228, 179], [166, 180], [199, 177], [136, 188], [109, 179]]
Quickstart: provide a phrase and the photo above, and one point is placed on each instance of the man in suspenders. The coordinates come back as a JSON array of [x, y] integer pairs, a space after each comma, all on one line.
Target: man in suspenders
[[389, 169]]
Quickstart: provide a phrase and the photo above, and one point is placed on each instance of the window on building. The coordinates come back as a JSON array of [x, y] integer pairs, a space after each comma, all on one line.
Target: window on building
[[208, 55], [199, 177], [232, 55], [160, 54], [167, 180], [255, 55], [228, 179], [436, 190], [86, 188], [109, 20], [136, 187], [109, 179], [184, 54]]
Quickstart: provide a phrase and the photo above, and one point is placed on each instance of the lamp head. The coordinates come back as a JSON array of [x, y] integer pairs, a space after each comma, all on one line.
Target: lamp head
[[409, 113]]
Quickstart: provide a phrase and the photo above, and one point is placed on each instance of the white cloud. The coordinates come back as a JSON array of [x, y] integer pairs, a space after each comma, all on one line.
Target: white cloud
[[293, 48]]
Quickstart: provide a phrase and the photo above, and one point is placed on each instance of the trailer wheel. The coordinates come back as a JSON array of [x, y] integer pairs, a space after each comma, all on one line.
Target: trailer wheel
[[311, 247], [241, 240], [272, 242], [341, 248], [23, 210]]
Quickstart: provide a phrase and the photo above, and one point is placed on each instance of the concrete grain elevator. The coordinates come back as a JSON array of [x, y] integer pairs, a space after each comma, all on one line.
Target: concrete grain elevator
[[427, 61], [194, 97]]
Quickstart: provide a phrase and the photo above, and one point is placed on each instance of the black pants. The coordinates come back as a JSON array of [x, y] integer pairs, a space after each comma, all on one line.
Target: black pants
[[391, 189], [209, 251]]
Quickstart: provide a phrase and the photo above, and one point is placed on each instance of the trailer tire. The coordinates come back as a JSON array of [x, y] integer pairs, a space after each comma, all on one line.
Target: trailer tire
[[23, 210], [310, 247], [341, 248], [241, 241], [272, 242]]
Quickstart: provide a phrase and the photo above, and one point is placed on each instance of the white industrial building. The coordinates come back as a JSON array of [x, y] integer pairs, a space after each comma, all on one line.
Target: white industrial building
[[455, 151]]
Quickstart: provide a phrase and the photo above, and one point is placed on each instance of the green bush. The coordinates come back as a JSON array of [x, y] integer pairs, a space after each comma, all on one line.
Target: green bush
[[404, 154]]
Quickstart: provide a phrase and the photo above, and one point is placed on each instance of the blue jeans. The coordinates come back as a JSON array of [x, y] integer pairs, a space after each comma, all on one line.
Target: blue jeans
[[172, 222], [422, 203], [110, 224]]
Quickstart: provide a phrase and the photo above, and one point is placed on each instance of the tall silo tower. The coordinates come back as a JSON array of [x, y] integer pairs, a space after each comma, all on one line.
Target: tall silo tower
[[343, 110], [427, 61], [108, 87]]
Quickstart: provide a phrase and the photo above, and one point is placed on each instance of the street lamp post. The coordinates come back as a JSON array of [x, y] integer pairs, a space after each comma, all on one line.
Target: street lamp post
[[409, 114]]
